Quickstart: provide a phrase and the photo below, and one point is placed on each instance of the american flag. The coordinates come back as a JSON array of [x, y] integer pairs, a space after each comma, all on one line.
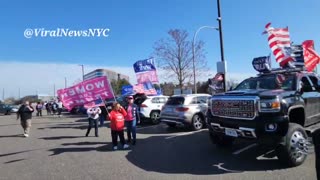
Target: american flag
[[279, 42], [97, 102], [311, 58], [146, 88]]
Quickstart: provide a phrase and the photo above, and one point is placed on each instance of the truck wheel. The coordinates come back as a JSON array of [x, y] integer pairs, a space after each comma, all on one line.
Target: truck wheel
[[154, 116], [197, 122], [294, 150], [221, 140]]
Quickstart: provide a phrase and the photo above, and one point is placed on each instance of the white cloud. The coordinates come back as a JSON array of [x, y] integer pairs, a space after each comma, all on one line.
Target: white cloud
[[41, 78]]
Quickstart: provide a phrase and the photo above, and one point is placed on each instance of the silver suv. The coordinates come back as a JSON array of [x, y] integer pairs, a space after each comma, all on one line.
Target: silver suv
[[187, 110]]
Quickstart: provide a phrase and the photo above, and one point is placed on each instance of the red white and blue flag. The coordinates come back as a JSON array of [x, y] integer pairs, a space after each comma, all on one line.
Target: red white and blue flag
[[311, 58], [146, 71], [146, 88], [279, 42]]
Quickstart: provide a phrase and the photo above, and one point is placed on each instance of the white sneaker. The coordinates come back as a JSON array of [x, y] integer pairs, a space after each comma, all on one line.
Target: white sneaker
[[26, 135], [126, 146], [115, 148]]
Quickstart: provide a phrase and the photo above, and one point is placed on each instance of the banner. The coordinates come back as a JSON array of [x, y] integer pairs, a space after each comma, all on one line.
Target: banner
[[85, 92], [311, 58], [146, 71]]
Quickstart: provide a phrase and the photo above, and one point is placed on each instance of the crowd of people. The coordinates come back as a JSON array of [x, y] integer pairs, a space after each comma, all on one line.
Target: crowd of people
[[120, 117]]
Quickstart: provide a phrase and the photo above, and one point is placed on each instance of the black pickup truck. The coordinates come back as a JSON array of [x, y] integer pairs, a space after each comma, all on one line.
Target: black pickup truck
[[276, 108]]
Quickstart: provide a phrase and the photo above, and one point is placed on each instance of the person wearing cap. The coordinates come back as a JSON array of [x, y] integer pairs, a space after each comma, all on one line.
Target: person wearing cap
[[131, 119]]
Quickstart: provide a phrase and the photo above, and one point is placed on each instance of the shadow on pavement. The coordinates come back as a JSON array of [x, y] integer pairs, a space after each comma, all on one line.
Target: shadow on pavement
[[14, 153], [16, 160], [162, 129], [194, 154], [61, 137], [10, 136], [82, 143], [67, 126], [105, 148]]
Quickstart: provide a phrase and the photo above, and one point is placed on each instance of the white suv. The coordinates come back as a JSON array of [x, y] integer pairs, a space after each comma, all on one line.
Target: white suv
[[151, 107]]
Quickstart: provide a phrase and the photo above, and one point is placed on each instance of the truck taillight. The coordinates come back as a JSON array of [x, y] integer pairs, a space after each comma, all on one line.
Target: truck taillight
[[182, 109]]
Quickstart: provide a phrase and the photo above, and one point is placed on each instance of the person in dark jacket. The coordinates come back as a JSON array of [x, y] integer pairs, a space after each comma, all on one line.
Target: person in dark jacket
[[131, 119], [25, 114]]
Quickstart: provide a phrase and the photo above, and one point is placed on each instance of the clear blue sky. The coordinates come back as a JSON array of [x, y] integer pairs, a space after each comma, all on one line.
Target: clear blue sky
[[137, 24]]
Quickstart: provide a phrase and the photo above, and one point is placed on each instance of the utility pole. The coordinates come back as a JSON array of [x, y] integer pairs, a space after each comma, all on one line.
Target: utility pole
[[3, 94], [221, 44], [54, 90]]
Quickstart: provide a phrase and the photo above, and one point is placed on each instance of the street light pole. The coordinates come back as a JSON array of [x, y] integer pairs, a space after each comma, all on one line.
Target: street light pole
[[221, 44], [193, 55]]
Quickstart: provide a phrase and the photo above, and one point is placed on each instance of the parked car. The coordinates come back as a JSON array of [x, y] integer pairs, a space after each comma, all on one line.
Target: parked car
[[150, 108], [188, 110], [14, 108], [5, 109]]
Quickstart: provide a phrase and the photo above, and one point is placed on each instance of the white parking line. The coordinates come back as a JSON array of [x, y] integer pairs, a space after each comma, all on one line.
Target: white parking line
[[244, 149], [185, 133]]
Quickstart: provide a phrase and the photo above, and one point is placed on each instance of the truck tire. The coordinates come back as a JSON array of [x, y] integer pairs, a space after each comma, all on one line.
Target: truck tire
[[294, 150], [221, 140], [197, 122], [154, 116]]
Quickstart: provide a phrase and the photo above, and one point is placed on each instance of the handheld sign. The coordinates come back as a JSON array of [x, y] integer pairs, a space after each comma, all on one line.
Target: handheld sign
[[262, 64]]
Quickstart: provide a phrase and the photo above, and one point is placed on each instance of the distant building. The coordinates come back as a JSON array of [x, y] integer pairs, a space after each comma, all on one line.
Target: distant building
[[105, 72]]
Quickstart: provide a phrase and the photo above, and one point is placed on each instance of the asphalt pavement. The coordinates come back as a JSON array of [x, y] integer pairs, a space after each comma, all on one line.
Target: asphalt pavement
[[58, 149]]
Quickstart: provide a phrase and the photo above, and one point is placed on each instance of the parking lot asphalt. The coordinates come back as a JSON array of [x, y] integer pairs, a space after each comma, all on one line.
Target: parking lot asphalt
[[58, 149]]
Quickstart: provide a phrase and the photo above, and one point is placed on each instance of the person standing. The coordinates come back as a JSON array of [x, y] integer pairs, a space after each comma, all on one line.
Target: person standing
[[131, 119], [116, 117], [93, 117], [60, 106], [39, 107], [25, 114]]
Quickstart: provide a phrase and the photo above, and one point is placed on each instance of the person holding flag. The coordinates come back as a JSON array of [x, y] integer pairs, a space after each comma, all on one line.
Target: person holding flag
[[93, 117], [131, 119]]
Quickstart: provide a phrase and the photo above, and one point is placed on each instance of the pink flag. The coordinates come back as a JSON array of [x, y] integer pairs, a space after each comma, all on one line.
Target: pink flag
[[147, 76], [85, 92]]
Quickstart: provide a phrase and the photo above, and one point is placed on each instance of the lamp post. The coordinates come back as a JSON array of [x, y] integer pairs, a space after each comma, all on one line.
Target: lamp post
[[82, 71], [193, 54], [221, 44]]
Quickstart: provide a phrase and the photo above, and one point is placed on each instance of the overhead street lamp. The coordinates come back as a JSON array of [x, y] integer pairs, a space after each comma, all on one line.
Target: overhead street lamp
[[193, 54]]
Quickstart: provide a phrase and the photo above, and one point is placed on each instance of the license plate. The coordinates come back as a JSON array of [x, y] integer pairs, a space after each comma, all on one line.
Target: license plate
[[231, 132], [168, 109]]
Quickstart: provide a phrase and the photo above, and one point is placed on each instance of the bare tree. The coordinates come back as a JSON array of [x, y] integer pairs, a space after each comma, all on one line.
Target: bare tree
[[174, 56]]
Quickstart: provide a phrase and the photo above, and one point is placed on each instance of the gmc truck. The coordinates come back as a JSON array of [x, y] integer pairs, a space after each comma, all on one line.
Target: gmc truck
[[275, 108]]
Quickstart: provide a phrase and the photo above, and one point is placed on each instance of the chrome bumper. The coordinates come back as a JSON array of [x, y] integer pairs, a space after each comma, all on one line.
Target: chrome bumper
[[242, 131]]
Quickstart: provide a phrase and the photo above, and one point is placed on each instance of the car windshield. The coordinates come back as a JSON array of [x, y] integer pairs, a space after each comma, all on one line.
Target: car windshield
[[175, 101], [273, 81]]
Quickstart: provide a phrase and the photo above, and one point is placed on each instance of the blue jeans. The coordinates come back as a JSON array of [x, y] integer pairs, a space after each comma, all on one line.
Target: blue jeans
[[131, 130], [102, 119]]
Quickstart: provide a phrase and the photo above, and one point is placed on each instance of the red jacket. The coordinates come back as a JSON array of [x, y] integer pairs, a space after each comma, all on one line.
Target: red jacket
[[117, 119]]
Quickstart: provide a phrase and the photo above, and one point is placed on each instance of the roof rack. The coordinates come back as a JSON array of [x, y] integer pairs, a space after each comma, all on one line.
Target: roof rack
[[283, 70]]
